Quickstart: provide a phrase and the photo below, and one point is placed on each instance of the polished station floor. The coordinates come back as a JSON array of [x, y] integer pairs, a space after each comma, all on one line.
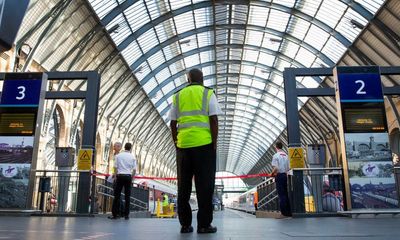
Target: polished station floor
[[231, 225]]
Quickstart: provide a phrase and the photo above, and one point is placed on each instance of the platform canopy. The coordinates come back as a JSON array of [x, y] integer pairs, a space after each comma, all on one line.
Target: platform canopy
[[242, 47]]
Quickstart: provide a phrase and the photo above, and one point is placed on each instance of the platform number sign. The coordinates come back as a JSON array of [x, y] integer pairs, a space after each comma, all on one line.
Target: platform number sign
[[360, 87], [21, 92]]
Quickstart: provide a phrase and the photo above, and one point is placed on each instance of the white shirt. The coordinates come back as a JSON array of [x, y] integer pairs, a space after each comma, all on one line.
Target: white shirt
[[280, 161], [125, 163], [213, 108]]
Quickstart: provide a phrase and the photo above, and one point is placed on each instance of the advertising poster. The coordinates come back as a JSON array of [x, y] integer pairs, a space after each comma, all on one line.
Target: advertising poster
[[15, 162], [370, 170]]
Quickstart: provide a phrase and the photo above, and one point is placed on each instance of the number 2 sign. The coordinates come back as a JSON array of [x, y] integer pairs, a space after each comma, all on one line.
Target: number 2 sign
[[360, 87], [21, 92]]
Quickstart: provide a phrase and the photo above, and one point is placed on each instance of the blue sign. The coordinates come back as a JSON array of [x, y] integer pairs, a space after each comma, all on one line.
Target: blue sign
[[360, 87], [22, 93]]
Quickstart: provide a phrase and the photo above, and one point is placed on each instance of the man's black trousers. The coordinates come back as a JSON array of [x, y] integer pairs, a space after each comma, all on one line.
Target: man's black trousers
[[123, 181], [282, 189], [199, 162]]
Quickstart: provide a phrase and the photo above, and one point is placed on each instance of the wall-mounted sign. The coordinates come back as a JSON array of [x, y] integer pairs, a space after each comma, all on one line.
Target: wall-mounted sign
[[85, 158], [360, 84], [21, 92], [296, 157]]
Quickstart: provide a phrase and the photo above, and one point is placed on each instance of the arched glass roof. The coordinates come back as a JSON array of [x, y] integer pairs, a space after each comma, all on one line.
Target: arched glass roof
[[242, 47]]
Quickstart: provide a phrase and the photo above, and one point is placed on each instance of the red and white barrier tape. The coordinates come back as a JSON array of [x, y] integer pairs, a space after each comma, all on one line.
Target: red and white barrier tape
[[174, 178]]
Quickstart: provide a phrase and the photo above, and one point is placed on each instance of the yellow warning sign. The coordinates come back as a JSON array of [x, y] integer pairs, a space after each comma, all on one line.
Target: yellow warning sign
[[296, 157], [85, 158]]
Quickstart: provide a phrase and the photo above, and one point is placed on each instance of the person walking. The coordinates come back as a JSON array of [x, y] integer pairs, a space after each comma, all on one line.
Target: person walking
[[125, 168], [280, 162], [194, 126]]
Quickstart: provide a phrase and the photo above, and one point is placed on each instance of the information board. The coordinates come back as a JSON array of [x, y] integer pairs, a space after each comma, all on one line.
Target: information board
[[21, 100], [368, 166]]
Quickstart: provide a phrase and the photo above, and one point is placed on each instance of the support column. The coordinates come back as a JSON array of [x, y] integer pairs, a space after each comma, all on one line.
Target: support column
[[89, 141]]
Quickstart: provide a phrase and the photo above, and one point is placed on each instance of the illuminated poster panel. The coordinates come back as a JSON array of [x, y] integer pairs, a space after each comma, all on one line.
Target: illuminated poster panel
[[15, 164], [370, 170]]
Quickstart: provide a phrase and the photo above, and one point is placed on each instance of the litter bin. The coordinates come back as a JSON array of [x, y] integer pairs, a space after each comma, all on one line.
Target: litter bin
[[44, 187], [44, 184]]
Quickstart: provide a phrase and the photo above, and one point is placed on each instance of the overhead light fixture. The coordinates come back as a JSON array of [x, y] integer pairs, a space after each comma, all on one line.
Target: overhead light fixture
[[356, 24], [113, 29], [138, 70], [186, 41], [275, 40]]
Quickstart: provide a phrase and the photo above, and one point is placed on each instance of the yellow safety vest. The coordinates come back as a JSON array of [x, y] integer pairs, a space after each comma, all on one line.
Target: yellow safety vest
[[165, 201], [192, 104]]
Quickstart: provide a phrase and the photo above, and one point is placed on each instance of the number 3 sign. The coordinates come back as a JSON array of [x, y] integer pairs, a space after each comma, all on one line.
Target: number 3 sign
[[21, 92]]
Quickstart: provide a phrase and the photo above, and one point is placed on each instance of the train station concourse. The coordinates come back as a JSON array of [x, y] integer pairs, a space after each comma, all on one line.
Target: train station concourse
[[261, 118]]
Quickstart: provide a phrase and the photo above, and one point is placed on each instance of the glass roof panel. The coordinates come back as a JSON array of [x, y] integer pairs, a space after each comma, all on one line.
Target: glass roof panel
[[132, 52], [184, 22], [258, 16], [316, 37], [156, 9], [278, 20], [136, 16], [346, 28], [156, 60], [175, 4], [371, 5], [331, 12], [203, 17], [148, 40]]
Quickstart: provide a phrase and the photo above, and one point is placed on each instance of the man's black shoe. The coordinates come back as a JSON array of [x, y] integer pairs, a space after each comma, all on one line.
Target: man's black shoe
[[126, 217], [112, 217], [209, 229], [185, 229]]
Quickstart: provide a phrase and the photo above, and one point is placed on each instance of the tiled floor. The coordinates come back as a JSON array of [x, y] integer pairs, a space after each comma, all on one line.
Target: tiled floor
[[231, 225]]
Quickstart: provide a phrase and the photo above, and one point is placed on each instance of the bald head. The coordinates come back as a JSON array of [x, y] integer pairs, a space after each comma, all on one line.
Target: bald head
[[117, 147], [195, 76]]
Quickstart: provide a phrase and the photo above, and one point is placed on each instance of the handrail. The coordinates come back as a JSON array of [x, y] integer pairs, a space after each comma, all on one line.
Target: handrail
[[266, 181], [266, 198], [135, 204], [316, 169], [110, 188]]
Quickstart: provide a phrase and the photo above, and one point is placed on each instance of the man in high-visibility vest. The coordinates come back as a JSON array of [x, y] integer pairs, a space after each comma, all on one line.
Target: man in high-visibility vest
[[194, 126], [165, 203]]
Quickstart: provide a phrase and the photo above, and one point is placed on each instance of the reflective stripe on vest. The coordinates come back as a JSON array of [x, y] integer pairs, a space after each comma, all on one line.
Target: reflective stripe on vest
[[194, 124]]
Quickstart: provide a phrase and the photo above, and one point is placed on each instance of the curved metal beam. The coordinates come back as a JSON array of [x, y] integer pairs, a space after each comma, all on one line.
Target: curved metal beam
[[192, 7], [165, 97], [210, 28], [153, 92], [213, 47]]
